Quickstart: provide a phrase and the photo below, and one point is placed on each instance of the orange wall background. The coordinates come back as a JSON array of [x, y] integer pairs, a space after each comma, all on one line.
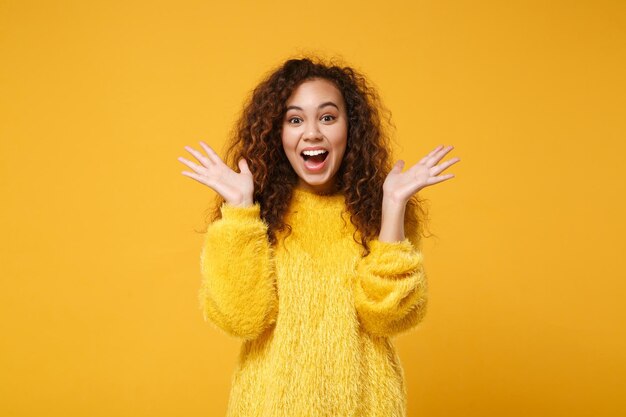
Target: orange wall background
[[100, 258]]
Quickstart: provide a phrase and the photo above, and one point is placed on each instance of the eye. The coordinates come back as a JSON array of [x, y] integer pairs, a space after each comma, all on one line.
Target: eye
[[328, 115], [292, 118]]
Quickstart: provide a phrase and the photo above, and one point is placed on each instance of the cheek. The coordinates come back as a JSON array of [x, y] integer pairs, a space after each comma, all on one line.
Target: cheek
[[339, 139], [290, 150], [341, 151], [285, 143], [338, 132]]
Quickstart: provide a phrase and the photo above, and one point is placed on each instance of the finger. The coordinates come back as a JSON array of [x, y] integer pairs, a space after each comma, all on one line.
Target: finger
[[213, 156], [203, 159], [191, 164], [215, 186], [397, 167], [196, 177], [431, 153], [445, 165], [440, 178], [433, 160]]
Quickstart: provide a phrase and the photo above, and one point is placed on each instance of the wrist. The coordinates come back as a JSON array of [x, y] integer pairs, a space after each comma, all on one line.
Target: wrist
[[244, 201], [390, 203], [392, 222]]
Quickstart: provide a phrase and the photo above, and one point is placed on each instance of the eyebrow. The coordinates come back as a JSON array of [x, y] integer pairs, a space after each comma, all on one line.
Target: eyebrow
[[328, 103]]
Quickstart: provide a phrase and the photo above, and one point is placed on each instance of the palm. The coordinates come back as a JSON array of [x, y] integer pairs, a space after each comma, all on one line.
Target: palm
[[235, 188], [400, 186]]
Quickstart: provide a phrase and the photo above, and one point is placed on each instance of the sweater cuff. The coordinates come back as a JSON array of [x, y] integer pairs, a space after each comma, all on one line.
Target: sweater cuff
[[380, 246], [241, 213]]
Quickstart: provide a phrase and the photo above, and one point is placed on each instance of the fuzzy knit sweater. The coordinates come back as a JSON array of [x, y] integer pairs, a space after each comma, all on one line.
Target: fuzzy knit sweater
[[314, 316]]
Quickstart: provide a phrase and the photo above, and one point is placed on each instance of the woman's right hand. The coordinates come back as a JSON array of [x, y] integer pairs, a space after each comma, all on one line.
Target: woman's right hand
[[237, 189]]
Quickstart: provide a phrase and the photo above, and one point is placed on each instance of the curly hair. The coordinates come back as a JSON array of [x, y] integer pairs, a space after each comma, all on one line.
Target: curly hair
[[256, 136]]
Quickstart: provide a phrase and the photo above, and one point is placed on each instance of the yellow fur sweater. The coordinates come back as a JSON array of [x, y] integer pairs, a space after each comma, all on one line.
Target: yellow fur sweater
[[314, 316]]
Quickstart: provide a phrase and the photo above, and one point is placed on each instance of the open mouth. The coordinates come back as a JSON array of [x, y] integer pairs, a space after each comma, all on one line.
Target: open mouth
[[316, 159]]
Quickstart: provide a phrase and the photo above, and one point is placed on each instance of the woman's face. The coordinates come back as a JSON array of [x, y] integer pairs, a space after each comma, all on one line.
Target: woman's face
[[316, 118]]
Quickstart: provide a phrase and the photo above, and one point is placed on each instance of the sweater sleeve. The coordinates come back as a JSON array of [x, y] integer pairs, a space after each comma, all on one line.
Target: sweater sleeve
[[238, 290], [391, 287]]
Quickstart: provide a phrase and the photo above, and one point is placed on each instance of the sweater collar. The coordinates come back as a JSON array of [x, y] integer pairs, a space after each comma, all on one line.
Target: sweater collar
[[309, 198]]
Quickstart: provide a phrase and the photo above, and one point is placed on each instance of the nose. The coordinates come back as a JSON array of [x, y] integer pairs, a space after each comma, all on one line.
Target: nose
[[312, 132]]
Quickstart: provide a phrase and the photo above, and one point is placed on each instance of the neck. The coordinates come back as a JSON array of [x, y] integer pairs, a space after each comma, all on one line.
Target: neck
[[324, 189]]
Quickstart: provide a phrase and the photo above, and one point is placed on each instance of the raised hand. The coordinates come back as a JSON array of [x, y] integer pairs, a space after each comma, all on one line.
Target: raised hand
[[237, 189], [400, 186]]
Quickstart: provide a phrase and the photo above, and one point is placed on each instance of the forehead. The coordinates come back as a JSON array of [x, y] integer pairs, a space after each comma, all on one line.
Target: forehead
[[316, 90]]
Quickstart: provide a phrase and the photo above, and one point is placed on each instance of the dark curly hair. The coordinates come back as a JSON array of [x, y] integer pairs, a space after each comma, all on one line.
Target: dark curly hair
[[256, 136]]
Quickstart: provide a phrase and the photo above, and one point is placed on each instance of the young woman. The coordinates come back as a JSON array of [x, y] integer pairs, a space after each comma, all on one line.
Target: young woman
[[312, 255]]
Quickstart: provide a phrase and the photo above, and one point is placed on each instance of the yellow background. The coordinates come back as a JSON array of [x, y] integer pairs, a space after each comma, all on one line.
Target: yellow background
[[100, 255]]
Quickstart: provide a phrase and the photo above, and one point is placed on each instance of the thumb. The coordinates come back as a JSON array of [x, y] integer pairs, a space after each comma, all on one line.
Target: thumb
[[397, 167], [243, 166]]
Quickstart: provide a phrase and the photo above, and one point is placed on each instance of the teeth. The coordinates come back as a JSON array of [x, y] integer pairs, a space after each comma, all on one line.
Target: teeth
[[312, 153]]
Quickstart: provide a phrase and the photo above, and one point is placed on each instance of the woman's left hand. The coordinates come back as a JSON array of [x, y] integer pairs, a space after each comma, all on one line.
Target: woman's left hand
[[400, 186]]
